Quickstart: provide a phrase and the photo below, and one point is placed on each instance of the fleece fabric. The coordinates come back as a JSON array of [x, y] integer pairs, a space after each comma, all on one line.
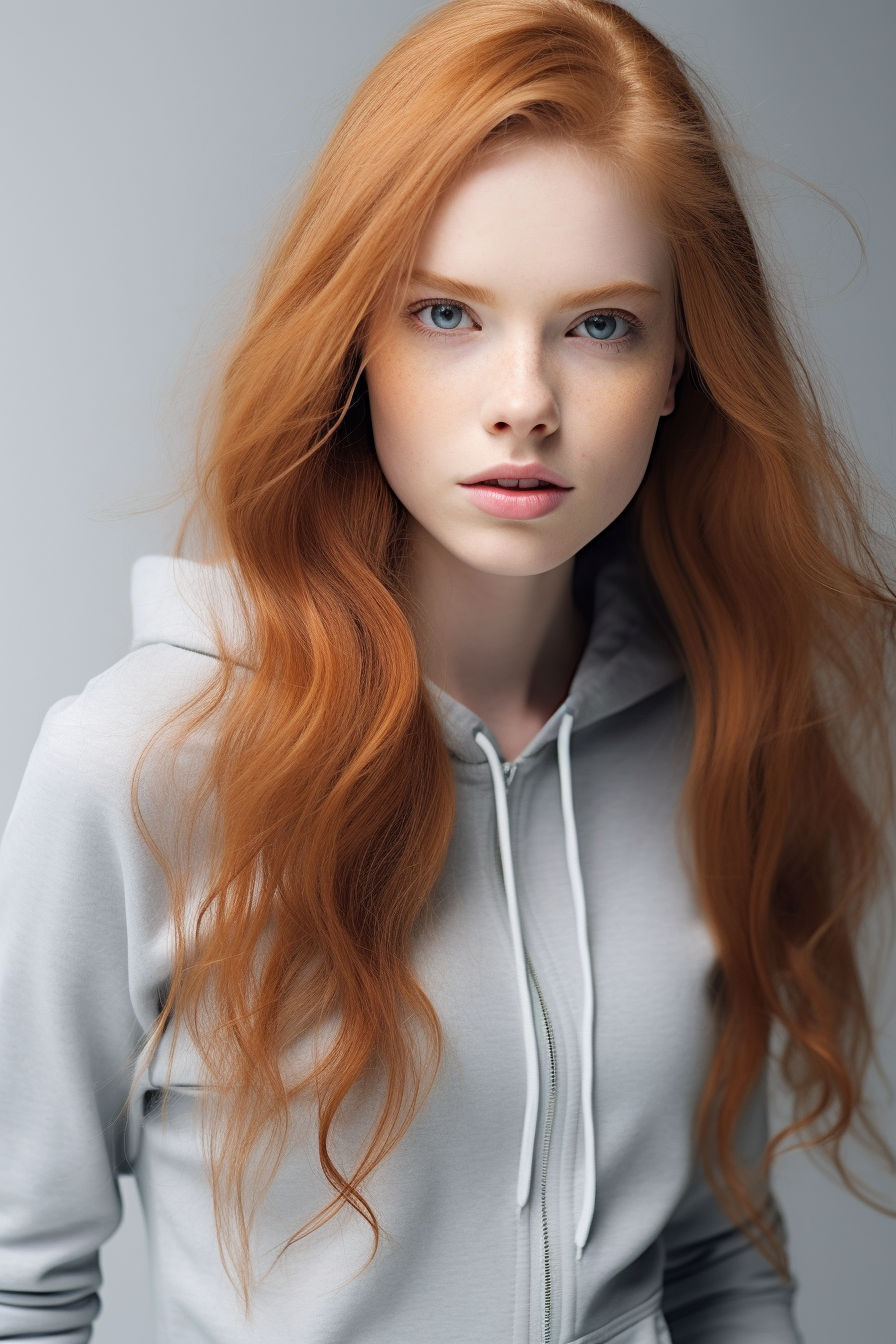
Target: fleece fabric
[[84, 959]]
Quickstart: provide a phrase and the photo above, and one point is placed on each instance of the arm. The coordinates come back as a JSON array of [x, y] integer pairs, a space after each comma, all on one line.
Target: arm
[[68, 1035], [718, 1289]]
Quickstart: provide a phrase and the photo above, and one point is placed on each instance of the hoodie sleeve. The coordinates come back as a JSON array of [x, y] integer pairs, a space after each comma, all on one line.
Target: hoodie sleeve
[[718, 1289], [68, 1034]]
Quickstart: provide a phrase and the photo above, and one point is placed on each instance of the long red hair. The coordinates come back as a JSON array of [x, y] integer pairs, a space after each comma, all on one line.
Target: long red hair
[[332, 790]]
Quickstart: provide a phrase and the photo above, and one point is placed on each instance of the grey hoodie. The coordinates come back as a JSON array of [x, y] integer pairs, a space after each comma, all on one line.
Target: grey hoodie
[[547, 1191]]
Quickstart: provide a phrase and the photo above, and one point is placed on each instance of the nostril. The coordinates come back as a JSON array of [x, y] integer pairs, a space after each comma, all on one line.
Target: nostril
[[501, 424]]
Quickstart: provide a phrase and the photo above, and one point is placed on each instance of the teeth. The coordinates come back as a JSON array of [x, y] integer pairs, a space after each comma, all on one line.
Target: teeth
[[515, 483]]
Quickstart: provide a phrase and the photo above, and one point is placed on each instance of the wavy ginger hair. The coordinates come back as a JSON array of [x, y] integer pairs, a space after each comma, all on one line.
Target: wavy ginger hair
[[332, 789]]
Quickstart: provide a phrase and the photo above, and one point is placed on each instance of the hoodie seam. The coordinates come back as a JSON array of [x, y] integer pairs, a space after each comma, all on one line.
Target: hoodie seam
[[172, 644]]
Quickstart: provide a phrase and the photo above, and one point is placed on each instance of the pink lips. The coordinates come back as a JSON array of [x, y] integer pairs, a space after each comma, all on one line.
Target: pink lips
[[496, 491]]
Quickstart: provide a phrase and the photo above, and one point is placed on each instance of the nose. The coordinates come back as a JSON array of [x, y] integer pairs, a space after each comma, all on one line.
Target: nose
[[520, 403]]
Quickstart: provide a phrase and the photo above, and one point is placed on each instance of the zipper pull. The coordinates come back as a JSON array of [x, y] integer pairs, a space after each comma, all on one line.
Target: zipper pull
[[509, 768]]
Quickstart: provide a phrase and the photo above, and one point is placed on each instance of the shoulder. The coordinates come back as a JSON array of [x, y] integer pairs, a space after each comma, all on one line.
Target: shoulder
[[78, 877], [136, 718], [91, 745]]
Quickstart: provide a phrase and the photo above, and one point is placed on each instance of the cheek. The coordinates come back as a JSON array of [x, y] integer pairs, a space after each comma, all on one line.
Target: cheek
[[416, 413], [612, 420], [396, 413]]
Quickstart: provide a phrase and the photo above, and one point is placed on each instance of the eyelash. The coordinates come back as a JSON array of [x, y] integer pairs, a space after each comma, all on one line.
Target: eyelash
[[623, 343], [421, 304], [636, 328]]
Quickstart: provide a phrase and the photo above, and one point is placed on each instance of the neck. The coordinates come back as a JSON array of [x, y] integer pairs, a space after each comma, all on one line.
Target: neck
[[506, 646]]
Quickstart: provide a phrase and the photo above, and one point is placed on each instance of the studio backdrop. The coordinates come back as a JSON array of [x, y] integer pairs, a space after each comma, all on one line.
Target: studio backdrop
[[147, 150]]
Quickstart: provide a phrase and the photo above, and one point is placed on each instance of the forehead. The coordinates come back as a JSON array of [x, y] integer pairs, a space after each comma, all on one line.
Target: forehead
[[548, 215]]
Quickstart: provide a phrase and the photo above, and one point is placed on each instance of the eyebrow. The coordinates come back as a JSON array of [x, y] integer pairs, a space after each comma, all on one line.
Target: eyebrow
[[587, 298], [443, 284]]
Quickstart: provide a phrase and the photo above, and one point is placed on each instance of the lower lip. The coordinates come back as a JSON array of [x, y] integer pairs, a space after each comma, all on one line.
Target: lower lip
[[518, 504]]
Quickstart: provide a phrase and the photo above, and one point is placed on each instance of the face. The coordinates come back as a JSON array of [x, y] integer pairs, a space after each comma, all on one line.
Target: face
[[516, 393]]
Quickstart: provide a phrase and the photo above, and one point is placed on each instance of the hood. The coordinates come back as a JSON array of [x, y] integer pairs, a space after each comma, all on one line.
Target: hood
[[627, 657], [189, 605]]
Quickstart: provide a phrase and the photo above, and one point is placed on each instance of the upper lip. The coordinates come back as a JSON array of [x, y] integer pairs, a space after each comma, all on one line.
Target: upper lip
[[529, 471]]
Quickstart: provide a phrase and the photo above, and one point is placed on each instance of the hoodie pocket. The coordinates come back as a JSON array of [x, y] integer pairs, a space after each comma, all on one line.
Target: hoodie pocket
[[175, 1064], [644, 1324]]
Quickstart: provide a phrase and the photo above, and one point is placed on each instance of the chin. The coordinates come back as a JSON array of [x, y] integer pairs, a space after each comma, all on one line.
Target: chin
[[514, 560]]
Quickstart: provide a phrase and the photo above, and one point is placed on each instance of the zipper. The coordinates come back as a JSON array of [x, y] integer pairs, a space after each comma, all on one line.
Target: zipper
[[545, 1152], [509, 769]]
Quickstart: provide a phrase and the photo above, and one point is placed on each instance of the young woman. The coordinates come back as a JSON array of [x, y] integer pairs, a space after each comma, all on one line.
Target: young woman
[[410, 910]]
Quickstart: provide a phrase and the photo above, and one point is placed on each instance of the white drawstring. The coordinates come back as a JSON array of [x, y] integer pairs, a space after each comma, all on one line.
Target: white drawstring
[[587, 1060], [574, 867], [530, 1117]]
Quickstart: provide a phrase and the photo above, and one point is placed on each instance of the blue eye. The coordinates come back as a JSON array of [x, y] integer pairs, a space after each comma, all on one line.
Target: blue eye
[[445, 316], [605, 327]]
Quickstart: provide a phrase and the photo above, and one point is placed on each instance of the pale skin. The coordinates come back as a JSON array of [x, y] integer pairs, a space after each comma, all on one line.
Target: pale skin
[[538, 336]]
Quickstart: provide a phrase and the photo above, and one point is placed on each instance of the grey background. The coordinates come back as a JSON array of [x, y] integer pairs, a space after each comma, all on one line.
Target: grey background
[[146, 150]]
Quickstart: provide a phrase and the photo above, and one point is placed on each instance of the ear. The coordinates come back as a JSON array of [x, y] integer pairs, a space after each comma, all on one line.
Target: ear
[[677, 371]]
